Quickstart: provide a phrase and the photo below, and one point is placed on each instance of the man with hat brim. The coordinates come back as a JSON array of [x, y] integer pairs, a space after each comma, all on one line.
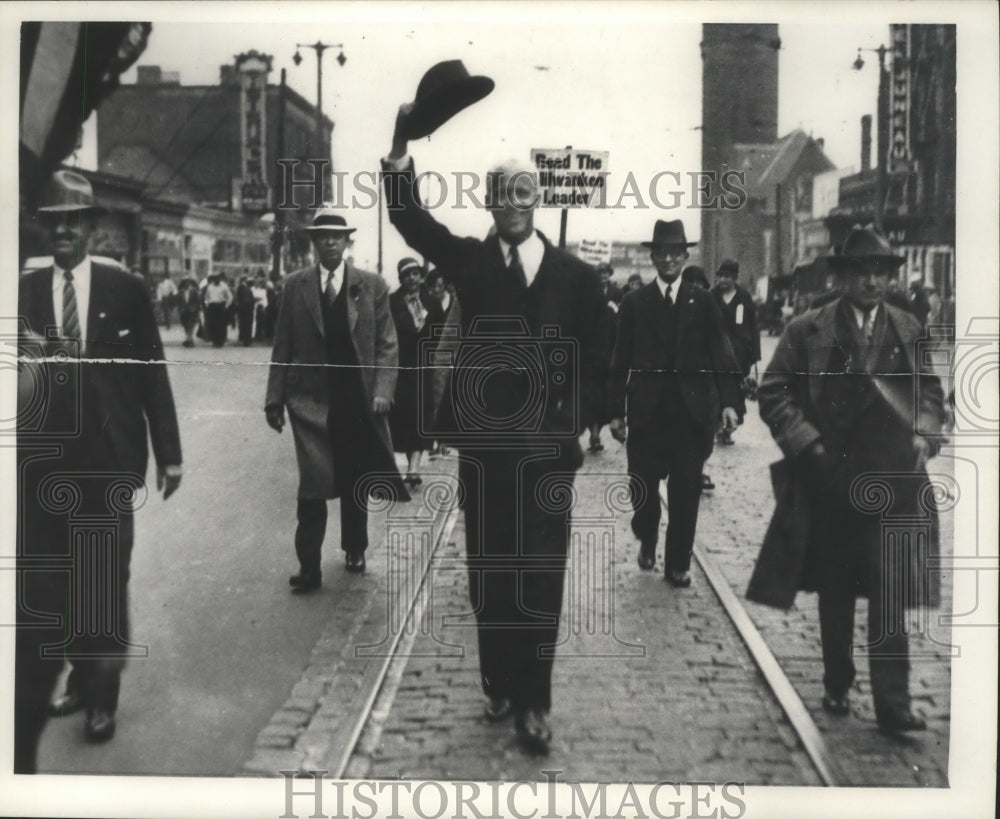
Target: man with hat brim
[[514, 289], [333, 366], [100, 404], [739, 315], [416, 314], [857, 413], [673, 380]]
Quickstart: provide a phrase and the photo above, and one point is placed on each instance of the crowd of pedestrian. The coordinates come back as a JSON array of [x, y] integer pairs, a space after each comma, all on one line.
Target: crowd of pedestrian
[[218, 304]]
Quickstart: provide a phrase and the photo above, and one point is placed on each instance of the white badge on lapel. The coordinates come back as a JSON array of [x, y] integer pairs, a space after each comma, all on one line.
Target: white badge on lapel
[[739, 313]]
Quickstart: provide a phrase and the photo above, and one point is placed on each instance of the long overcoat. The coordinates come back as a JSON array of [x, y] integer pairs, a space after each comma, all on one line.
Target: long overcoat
[[802, 537], [298, 379]]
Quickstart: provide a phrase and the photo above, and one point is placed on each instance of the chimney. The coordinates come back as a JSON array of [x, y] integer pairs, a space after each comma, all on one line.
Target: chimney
[[148, 75], [227, 75], [866, 143]]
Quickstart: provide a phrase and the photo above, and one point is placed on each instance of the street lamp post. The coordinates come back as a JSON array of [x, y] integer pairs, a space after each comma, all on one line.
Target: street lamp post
[[319, 47], [881, 169]]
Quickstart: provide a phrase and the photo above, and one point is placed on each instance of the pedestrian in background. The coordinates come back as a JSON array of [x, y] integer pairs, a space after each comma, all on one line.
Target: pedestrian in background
[[218, 298], [245, 304], [118, 395], [634, 283], [334, 366], [415, 313], [166, 294], [612, 292], [673, 368], [739, 316], [846, 395], [259, 290], [189, 308]]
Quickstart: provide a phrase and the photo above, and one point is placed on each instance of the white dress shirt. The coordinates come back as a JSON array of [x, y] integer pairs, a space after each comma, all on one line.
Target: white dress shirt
[[337, 279], [530, 252], [674, 285], [859, 315], [81, 287]]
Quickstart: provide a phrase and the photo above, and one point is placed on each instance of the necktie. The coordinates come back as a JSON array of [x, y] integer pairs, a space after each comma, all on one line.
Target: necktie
[[331, 289], [868, 326], [70, 316], [666, 293], [516, 268]]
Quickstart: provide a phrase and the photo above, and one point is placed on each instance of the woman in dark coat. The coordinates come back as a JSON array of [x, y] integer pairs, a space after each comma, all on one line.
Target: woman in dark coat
[[415, 313]]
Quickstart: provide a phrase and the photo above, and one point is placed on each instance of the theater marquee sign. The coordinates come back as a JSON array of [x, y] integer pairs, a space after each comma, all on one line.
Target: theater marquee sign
[[253, 68], [899, 100]]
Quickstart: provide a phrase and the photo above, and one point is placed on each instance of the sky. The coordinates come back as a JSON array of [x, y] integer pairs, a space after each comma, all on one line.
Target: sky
[[625, 79]]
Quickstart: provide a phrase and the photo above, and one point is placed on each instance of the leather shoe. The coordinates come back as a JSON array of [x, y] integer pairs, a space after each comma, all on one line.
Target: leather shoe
[[69, 702], [838, 706], [678, 579], [355, 561], [100, 726], [497, 709], [706, 483], [305, 582], [647, 556], [533, 731], [899, 721]]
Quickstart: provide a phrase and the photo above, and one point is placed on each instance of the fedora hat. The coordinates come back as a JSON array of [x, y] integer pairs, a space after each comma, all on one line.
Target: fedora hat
[[669, 233], [729, 267], [330, 219], [444, 90], [864, 244], [69, 191]]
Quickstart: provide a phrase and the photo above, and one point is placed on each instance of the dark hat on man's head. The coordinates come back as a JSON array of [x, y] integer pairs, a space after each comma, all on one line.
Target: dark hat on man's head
[[444, 90], [605, 267], [729, 267], [330, 219], [408, 265], [669, 233], [69, 192], [864, 244]]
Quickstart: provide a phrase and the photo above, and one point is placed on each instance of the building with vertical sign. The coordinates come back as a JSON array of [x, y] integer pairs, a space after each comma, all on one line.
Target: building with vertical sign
[[918, 209], [205, 157]]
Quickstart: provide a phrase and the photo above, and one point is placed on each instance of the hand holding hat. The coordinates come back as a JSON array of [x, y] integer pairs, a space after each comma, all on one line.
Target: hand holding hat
[[444, 90]]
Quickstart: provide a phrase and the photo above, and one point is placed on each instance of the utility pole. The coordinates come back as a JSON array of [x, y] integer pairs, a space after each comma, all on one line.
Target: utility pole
[[278, 239]]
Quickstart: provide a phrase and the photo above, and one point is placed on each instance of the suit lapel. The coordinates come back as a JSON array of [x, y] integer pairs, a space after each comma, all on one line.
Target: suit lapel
[[352, 308], [311, 297]]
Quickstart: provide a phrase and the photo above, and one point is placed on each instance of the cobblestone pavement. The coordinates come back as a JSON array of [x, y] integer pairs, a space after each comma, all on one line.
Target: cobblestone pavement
[[674, 696]]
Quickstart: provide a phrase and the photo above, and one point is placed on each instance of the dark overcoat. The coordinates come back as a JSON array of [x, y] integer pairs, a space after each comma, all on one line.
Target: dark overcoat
[[298, 379], [806, 530]]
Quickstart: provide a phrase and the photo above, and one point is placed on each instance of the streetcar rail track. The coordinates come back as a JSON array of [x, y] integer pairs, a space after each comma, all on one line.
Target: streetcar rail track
[[823, 761]]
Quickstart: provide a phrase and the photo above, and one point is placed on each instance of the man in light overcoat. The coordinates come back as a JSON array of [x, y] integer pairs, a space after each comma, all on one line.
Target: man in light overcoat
[[334, 367]]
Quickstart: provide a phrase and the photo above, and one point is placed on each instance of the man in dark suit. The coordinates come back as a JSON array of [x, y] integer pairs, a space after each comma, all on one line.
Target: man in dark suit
[[848, 395], [78, 502], [739, 315], [515, 418], [674, 377], [333, 366]]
